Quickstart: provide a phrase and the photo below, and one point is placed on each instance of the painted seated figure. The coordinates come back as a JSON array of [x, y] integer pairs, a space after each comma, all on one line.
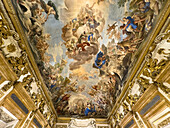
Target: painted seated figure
[[87, 110], [100, 60], [90, 109]]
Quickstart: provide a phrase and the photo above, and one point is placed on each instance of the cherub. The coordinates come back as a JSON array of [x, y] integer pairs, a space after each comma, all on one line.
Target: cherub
[[88, 7], [111, 28], [115, 33], [81, 88], [89, 10], [97, 34], [38, 16]]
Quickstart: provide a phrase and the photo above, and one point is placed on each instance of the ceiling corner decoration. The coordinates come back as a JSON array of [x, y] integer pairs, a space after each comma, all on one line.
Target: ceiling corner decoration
[[82, 123], [84, 49]]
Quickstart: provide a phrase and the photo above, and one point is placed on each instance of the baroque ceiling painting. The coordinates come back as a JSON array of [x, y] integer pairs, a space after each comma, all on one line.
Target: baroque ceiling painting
[[84, 49]]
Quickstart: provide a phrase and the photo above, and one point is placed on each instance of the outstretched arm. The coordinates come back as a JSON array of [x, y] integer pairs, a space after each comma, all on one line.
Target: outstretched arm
[[121, 21], [139, 20], [92, 5], [126, 25]]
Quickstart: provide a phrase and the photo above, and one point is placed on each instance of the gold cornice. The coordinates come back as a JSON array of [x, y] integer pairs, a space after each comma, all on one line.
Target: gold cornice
[[24, 40], [68, 119], [164, 75], [126, 119], [19, 90], [6, 69], [161, 117], [145, 98], [164, 123], [142, 52]]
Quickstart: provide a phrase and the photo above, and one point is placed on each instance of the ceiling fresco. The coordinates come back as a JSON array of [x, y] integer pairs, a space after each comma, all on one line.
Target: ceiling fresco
[[84, 48]]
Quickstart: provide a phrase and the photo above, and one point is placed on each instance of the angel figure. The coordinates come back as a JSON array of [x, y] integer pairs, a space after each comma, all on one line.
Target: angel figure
[[49, 8], [111, 28]]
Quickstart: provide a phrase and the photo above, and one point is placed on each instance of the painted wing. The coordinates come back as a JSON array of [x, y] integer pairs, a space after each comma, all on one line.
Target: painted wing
[[43, 5], [51, 4]]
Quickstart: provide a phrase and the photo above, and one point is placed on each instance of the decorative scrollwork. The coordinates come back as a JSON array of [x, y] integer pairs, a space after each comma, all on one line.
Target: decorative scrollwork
[[131, 99], [161, 37], [7, 86], [14, 51], [41, 105], [163, 87], [164, 123], [36, 98], [19, 64], [154, 68], [4, 30], [144, 84], [126, 108]]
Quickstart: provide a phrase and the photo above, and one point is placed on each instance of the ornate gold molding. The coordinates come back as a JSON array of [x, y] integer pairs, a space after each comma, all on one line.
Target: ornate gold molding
[[30, 59], [164, 123], [16, 53]]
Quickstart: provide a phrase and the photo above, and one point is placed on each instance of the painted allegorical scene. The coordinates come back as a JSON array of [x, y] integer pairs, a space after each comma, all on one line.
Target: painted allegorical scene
[[84, 49]]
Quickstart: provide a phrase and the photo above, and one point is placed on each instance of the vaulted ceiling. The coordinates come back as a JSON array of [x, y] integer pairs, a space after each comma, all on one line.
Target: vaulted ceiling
[[85, 50]]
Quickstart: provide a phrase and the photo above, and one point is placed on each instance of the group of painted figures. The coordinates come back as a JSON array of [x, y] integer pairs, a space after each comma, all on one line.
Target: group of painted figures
[[75, 40], [33, 14], [81, 38]]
